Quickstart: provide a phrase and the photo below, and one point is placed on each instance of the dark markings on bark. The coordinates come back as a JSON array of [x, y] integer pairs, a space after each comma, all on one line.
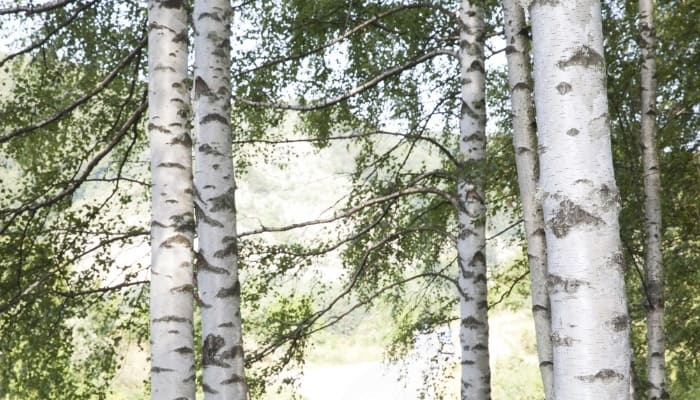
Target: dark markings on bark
[[584, 56], [546, 364], [471, 323], [204, 218], [539, 308], [568, 216], [208, 150], [207, 389], [230, 249], [617, 261], [573, 132], [563, 88], [521, 86], [522, 149], [183, 288], [474, 137], [172, 165], [213, 16], [181, 37], [555, 283], [233, 291], [176, 240], [226, 325], [158, 370], [225, 201], [213, 117], [201, 88], [478, 260], [552, 3], [170, 318], [173, 331], [468, 362], [618, 323], [511, 49], [233, 379], [154, 127], [182, 140], [184, 350], [155, 223], [604, 376], [233, 353], [183, 222], [466, 110], [190, 378], [171, 3], [210, 349], [203, 265], [476, 65], [480, 347], [558, 340], [609, 196]]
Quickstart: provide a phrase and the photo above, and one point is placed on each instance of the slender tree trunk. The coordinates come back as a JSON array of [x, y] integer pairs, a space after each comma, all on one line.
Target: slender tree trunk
[[654, 283], [474, 329], [525, 143], [172, 225], [590, 322], [217, 271]]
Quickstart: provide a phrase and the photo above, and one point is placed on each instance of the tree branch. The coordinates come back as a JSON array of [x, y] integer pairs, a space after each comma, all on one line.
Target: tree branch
[[320, 104], [86, 97]]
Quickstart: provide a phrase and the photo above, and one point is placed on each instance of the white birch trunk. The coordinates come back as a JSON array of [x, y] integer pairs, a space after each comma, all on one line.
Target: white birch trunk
[[525, 144], [172, 225], [217, 270], [654, 285], [474, 328], [590, 322]]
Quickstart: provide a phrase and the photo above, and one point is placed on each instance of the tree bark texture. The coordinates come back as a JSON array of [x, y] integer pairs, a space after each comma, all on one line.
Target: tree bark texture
[[474, 329], [217, 270], [654, 285], [525, 144], [172, 225], [580, 200]]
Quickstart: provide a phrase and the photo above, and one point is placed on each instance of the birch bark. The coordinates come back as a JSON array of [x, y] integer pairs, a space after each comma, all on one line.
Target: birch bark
[[172, 224], [474, 328], [590, 322], [217, 271], [654, 285], [525, 144]]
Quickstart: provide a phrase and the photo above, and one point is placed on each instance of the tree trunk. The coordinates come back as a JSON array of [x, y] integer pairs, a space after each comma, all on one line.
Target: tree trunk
[[474, 329], [590, 322], [525, 143], [654, 284], [217, 271], [172, 225]]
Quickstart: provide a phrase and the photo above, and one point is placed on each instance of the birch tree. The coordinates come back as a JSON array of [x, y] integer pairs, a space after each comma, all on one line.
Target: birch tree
[[526, 162], [590, 322], [654, 284], [217, 271], [471, 242], [172, 226]]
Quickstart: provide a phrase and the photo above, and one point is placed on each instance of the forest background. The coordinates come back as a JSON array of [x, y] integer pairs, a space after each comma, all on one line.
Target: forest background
[[75, 186]]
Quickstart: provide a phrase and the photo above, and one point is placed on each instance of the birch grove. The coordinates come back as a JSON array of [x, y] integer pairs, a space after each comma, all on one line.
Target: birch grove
[[217, 271], [526, 162], [172, 225], [653, 263], [580, 200], [471, 243]]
